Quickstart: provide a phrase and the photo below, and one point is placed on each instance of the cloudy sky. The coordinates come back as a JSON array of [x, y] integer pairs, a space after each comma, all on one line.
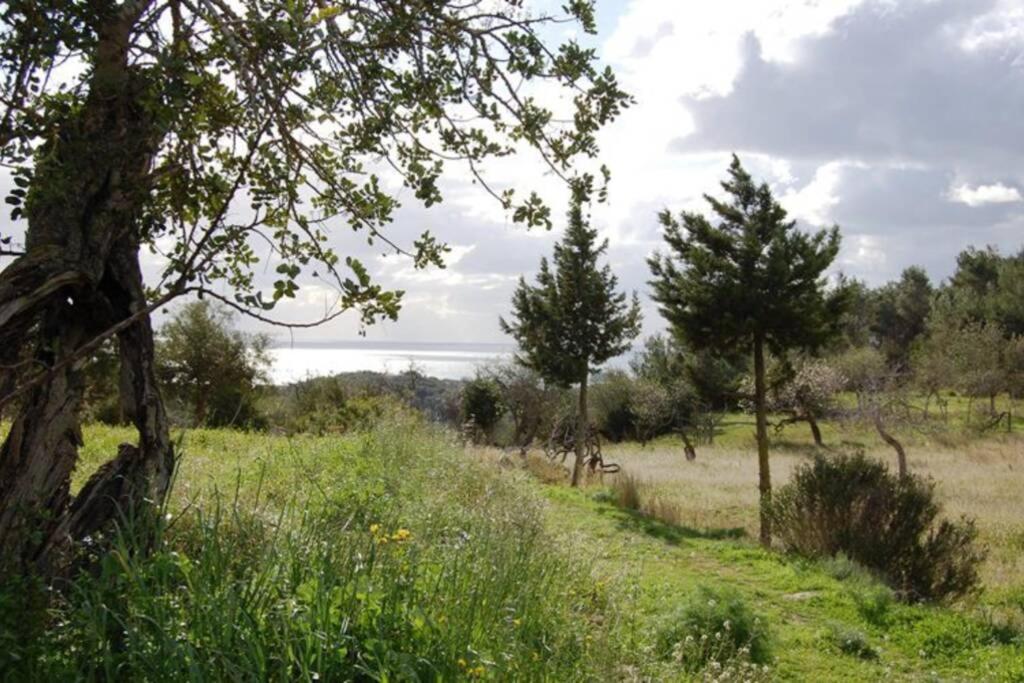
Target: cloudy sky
[[900, 120]]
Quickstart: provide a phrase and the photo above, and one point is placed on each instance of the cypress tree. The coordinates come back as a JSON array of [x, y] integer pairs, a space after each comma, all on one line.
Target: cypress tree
[[574, 319], [752, 283]]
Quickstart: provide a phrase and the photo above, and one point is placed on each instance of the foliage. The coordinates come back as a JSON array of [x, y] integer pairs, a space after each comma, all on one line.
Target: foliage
[[853, 505], [721, 287], [976, 357], [993, 287], [482, 405], [212, 369], [713, 626], [610, 399], [752, 283], [852, 642], [531, 404], [573, 319], [806, 391], [397, 559], [357, 400], [245, 105], [902, 312]]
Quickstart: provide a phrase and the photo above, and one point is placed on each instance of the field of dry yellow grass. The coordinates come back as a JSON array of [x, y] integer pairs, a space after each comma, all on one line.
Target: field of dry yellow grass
[[980, 478]]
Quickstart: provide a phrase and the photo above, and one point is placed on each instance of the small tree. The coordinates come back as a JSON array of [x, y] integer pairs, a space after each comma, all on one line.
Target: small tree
[[529, 402], [212, 369], [482, 405], [804, 392], [573, 319], [752, 283]]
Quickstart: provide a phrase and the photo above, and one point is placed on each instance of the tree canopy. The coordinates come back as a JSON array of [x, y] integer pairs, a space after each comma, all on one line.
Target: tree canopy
[[752, 282], [231, 139], [574, 319]]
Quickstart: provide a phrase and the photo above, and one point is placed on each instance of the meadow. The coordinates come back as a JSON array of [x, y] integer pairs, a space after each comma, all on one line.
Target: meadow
[[398, 553]]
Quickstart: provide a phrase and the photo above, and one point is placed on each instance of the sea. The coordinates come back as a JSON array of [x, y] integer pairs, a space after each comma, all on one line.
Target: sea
[[445, 360]]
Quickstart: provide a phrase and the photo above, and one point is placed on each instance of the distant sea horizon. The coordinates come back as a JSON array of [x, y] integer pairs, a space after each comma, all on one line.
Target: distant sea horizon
[[292, 362]]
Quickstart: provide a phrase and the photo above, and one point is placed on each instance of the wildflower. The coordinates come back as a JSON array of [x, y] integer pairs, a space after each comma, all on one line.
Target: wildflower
[[401, 535], [374, 528], [461, 662]]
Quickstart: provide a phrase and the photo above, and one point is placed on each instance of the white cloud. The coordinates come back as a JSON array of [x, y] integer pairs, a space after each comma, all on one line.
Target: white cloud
[[984, 194], [813, 202]]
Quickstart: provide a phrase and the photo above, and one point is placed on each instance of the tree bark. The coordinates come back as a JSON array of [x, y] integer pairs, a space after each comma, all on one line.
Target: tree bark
[[582, 432], [79, 277], [815, 430], [764, 471], [901, 454], [688, 449]]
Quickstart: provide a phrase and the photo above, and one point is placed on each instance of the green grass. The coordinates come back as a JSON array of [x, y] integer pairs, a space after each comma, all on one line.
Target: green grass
[[382, 556], [805, 604], [273, 565]]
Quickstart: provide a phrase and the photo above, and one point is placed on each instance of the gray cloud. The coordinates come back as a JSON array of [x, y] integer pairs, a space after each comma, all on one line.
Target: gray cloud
[[887, 84]]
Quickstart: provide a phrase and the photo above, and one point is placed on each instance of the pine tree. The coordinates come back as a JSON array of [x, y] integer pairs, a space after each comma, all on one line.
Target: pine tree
[[573, 319], [752, 283]]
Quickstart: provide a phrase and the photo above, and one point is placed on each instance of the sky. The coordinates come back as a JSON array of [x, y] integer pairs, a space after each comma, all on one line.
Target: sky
[[902, 121]]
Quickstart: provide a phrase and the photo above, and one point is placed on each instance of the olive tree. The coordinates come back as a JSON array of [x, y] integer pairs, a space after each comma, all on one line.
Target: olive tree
[[232, 138]]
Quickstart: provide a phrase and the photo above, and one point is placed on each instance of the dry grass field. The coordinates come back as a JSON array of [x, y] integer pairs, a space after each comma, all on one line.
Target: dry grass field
[[983, 479]]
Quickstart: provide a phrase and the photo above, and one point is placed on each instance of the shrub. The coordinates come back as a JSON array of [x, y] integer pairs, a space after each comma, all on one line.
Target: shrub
[[852, 642], [714, 627], [482, 406], [853, 505]]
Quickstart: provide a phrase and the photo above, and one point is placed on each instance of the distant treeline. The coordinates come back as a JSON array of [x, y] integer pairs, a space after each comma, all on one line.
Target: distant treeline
[[963, 335]]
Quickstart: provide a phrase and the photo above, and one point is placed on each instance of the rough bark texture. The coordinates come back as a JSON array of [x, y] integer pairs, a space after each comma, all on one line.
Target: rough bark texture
[[764, 472], [582, 425], [78, 278]]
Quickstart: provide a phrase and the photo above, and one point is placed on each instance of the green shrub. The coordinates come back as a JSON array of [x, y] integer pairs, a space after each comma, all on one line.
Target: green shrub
[[853, 505], [874, 601], [482, 406], [714, 627], [852, 642]]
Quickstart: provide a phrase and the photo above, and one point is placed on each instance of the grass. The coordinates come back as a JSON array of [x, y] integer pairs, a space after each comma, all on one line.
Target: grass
[[382, 556], [980, 478], [804, 604], [397, 555]]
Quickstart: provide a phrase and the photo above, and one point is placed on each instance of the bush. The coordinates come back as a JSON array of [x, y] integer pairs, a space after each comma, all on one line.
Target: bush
[[852, 642], [482, 406], [714, 627], [853, 505]]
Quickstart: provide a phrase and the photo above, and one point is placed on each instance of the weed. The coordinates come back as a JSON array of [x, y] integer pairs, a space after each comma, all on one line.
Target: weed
[[714, 626]]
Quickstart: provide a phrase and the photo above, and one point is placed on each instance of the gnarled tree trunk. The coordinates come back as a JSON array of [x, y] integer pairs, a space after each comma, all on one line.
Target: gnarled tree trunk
[[79, 278]]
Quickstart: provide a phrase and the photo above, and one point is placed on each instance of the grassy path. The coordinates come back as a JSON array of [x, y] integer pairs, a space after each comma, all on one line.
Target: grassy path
[[812, 609]]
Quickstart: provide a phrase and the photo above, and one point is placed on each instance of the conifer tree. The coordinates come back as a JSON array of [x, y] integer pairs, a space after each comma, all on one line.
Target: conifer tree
[[751, 283], [574, 319]]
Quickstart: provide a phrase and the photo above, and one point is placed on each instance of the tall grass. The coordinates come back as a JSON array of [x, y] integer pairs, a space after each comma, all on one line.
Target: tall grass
[[396, 559]]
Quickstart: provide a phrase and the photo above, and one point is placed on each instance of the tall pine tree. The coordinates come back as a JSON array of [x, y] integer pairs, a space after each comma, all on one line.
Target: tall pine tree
[[573, 319], [751, 283]]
